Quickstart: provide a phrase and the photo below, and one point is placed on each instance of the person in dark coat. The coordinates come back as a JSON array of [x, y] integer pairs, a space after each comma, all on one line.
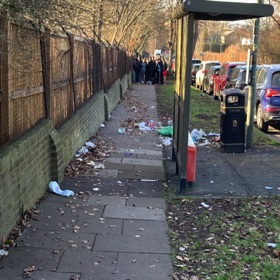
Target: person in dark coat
[[150, 71], [137, 69], [159, 71]]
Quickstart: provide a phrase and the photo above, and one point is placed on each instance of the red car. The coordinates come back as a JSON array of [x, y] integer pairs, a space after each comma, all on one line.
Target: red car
[[220, 81]]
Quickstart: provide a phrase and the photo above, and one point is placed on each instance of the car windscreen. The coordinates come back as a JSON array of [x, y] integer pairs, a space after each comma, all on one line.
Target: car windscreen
[[275, 81], [208, 65]]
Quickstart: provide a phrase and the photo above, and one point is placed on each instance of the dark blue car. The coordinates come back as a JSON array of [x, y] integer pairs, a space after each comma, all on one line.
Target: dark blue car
[[267, 110]]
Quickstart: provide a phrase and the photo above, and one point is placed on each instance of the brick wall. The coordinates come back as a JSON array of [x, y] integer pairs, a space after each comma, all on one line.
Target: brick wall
[[24, 171], [41, 155]]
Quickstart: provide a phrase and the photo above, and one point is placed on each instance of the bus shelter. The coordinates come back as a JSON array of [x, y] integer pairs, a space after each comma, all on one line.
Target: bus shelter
[[185, 14]]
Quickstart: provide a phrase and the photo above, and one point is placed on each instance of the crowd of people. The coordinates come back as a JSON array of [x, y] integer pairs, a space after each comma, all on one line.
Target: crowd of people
[[150, 71]]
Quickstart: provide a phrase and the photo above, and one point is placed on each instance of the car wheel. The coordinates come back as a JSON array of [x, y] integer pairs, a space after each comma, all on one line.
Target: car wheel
[[203, 86], [261, 124], [199, 85]]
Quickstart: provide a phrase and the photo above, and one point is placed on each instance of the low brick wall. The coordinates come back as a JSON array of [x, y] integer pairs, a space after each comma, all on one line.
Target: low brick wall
[[41, 155], [25, 169]]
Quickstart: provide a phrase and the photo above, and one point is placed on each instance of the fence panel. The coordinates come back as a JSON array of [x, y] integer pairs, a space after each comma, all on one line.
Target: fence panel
[[26, 98], [81, 71], [61, 93]]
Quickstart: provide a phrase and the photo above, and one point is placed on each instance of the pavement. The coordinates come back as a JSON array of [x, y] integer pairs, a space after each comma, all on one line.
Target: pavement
[[114, 227]]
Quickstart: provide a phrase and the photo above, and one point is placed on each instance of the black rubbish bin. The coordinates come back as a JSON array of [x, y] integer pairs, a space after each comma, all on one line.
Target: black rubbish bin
[[232, 121]]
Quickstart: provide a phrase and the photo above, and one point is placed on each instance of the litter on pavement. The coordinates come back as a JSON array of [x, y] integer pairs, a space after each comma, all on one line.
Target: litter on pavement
[[3, 253], [55, 188]]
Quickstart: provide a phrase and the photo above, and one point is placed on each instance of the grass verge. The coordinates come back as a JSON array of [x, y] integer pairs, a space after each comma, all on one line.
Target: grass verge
[[232, 239]]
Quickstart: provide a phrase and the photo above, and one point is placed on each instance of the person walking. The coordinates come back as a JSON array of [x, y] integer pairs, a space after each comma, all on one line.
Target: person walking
[[137, 69], [150, 71], [159, 71], [164, 71], [143, 71]]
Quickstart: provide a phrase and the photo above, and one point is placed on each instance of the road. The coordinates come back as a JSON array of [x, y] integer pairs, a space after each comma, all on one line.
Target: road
[[274, 133]]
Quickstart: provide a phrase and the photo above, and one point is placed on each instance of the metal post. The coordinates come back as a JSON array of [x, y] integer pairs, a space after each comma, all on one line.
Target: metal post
[[187, 58], [252, 87]]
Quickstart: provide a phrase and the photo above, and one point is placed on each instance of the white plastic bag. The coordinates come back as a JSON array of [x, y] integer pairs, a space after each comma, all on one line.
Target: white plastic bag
[[197, 134], [55, 188]]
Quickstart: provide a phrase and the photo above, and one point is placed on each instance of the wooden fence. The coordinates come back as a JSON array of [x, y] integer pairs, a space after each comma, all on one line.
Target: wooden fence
[[50, 76]]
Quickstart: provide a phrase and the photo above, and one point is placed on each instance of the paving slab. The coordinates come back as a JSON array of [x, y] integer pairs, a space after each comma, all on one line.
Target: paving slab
[[62, 207], [102, 185], [138, 188], [42, 259], [114, 160], [101, 275], [144, 266], [130, 212], [17, 274], [56, 240], [145, 191], [139, 174], [144, 228], [53, 222], [146, 202], [88, 261], [111, 173], [107, 200], [100, 225], [153, 243], [146, 162], [141, 152]]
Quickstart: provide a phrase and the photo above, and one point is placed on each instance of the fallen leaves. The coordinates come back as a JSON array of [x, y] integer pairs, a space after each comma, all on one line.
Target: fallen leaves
[[28, 272], [75, 228], [90, 160], [233, 235]]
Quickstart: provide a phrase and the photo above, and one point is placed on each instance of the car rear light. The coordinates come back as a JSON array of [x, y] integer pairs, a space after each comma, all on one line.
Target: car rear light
[[272, 110], [193, 72], [204, 72], [271, 92]]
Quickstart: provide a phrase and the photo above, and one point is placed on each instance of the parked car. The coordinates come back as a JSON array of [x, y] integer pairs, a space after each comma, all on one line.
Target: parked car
[[237, 78], [196, 61], [224, 73], [208, 81], [173, 64], [203, 68], [195, 67], [267, 109]]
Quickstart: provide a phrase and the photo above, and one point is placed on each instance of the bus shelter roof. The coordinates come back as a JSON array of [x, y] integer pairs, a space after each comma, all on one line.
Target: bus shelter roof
[[226, 11]]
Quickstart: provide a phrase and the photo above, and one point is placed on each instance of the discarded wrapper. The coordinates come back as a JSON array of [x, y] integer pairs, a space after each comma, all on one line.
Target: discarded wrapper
[[149, 180], [3, 253], [204, 205], [271, 245], [55, 188]]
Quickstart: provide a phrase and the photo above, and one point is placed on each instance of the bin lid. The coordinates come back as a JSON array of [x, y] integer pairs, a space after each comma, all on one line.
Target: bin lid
[[232, 91]]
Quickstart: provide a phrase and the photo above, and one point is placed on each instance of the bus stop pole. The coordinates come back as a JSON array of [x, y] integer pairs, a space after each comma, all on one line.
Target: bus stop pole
[[188, 25], [252, 88]]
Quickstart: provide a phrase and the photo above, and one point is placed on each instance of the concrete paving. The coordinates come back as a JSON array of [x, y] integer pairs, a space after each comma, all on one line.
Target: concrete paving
[[115, 226]]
